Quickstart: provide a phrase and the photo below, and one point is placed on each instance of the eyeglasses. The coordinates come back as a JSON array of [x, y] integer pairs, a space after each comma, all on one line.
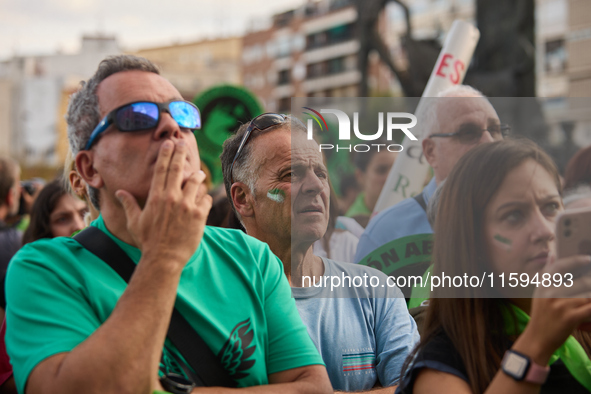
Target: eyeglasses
[[261, 122], [470, 133], [143, 115]]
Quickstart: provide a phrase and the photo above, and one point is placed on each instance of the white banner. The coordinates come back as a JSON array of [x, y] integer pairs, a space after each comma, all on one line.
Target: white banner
[[407, 175]]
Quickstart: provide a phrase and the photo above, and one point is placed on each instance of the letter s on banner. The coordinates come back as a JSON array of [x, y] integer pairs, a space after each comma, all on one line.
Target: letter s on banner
[[458, 67]]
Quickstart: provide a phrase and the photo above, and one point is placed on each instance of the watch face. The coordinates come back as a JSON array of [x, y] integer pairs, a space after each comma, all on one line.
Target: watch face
[[515, 365]]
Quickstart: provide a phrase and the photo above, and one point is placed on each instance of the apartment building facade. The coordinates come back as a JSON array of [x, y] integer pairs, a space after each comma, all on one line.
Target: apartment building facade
[[310, 51]]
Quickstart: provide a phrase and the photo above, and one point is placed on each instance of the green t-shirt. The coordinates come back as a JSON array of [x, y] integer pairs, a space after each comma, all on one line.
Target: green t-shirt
[[358, 207], [231, 290]]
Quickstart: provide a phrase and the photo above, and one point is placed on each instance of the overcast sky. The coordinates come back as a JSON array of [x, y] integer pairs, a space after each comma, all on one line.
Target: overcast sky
[[30, 27]]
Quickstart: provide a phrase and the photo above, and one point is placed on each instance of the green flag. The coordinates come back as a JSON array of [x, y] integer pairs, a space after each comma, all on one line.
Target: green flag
[[223, 110], [406, 257]]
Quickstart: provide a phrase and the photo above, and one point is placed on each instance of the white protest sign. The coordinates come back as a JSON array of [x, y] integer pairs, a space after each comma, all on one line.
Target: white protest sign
[[407, 175]]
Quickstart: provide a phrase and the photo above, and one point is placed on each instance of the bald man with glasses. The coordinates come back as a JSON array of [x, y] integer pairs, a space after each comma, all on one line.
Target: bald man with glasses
[[455, 122]]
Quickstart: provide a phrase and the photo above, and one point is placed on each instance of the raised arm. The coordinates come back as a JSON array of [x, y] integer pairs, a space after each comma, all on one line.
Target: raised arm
[[552, 321]]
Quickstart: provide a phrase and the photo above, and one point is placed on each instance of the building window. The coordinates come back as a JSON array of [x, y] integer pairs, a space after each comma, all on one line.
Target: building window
[[315, 40], [331, 36], [284, 19], [253, 54], [336, 65], [328, 67], [340, 33], [315, 70], [284, 77], [555, 56], [283, 46]]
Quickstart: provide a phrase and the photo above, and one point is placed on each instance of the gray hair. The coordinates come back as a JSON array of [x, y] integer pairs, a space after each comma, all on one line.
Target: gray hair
[[83, 113], [428, 113], [247, 166], [577, 193]]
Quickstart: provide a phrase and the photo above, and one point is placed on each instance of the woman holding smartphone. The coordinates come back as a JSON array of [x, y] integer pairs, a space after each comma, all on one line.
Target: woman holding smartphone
[[497, 216]]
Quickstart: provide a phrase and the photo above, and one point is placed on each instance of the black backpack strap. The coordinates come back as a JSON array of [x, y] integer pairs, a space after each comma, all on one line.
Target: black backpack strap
[[207, 367], [420, 198], [103, 247]]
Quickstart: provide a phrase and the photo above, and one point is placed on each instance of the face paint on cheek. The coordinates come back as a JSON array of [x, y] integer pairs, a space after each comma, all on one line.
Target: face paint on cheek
[[276, 195], [504, 241]]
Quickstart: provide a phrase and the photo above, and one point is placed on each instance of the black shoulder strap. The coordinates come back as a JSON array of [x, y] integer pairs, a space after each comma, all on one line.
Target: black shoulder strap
[[207, 367], [420, 198]]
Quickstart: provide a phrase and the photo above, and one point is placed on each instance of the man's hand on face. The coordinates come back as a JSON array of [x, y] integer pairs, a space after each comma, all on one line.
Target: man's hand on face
[[172, 222]]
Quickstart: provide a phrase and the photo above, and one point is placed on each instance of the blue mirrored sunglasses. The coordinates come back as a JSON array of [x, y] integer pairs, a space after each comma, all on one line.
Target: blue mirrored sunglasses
[[145, 115]]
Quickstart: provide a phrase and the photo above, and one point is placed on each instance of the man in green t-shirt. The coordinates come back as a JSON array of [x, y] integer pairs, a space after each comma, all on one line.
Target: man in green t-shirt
[[74, 326]]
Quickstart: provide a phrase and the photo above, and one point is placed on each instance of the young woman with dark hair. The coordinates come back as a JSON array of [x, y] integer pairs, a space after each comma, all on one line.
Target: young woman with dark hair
[[55, 213], [497, 214]]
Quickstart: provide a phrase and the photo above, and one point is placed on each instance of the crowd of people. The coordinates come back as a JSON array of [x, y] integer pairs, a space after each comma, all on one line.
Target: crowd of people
[[117, 285]]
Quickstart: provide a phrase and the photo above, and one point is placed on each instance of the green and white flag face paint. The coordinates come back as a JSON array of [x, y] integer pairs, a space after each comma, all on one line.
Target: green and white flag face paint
[[276, 195], [506, 243], [502, 239]]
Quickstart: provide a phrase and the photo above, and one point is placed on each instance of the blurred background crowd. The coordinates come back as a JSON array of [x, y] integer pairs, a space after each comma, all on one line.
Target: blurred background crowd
[[327, 48], [536, 49]]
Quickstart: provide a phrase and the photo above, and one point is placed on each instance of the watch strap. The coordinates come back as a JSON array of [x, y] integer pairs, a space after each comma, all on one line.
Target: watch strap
[[536, 373]]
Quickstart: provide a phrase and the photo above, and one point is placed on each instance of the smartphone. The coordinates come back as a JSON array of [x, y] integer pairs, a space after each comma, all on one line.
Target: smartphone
[[573, 232], [573, 237], [28, 187]]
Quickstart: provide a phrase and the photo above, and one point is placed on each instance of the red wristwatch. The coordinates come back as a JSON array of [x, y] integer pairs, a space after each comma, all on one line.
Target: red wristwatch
[[521, 368]]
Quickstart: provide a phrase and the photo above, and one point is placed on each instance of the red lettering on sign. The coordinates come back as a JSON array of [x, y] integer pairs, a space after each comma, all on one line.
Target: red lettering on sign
[[443, 64], [459, 67]]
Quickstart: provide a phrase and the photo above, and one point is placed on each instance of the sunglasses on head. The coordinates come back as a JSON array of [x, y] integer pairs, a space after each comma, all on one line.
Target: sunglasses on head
[[261, 122], [470, 133], [143, 115]]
